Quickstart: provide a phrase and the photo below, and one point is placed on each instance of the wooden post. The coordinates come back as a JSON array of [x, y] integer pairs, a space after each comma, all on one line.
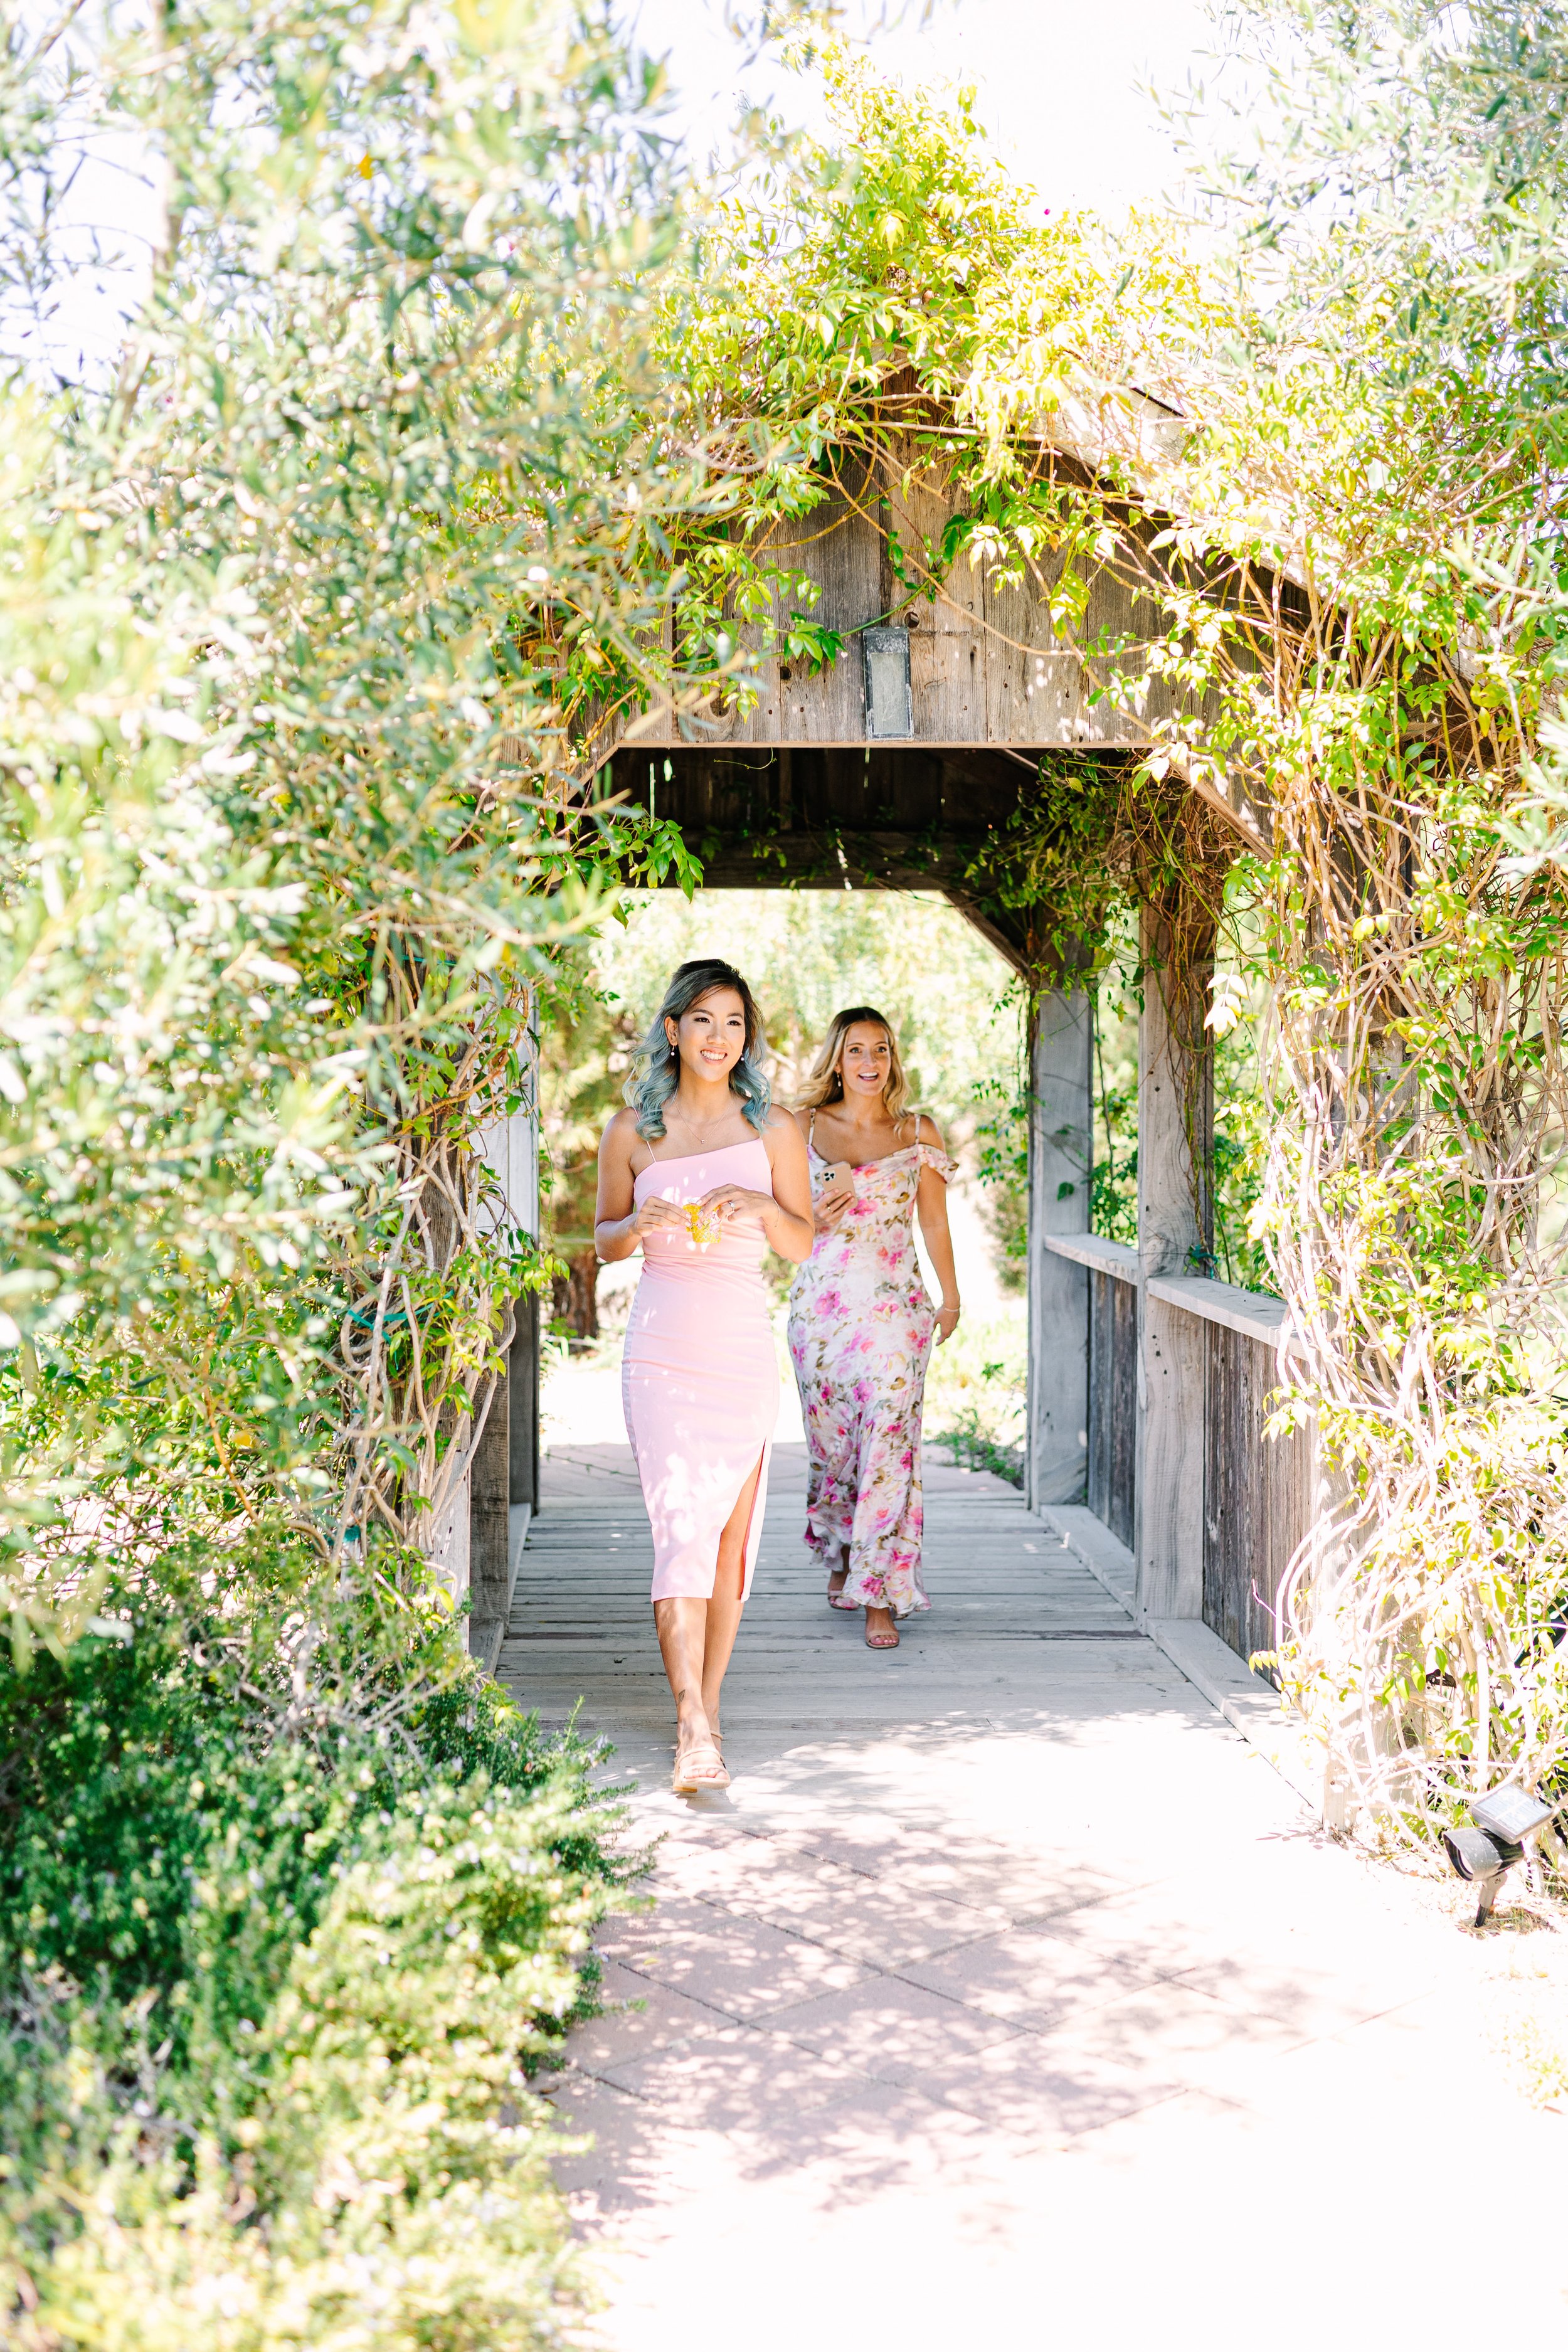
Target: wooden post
[[504, 1491], [524, 1388], [451, 1537], [1061, 1154], [1173, 1221], [488, 1530]]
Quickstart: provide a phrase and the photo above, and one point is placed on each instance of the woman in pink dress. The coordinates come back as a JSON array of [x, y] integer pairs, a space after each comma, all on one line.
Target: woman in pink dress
[[703, 1175], [860, 1321]]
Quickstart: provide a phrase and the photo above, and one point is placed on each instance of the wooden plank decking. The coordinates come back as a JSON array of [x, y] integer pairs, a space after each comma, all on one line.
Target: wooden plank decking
[[1002, 1586]]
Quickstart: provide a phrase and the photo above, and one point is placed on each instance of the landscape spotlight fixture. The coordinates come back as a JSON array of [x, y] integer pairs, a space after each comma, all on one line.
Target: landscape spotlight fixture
[[1504, 1819]]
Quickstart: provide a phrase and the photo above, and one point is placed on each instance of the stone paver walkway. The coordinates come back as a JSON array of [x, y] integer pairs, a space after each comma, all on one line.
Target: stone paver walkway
[[1008, 1995]]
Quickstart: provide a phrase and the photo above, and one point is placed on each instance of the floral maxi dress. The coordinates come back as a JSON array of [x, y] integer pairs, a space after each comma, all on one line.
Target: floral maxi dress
[[860, 1330]]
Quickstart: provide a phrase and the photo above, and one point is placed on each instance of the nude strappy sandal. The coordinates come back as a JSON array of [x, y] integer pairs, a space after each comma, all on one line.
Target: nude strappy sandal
[[686, 1782]]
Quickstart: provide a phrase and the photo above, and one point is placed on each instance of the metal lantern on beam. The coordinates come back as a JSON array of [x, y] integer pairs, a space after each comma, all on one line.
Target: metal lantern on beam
[[890, 706]]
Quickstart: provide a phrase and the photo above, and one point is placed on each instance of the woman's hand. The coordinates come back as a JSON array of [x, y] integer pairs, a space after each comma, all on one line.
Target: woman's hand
[[836, 1199], [947, 1316], [732, 1201], [656, 1216]]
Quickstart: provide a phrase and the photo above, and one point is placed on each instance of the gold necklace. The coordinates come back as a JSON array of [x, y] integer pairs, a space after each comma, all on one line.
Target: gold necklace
[[701, 1133]]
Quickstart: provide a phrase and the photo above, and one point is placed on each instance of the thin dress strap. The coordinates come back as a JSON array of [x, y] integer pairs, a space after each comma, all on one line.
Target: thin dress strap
[[811, 1132]]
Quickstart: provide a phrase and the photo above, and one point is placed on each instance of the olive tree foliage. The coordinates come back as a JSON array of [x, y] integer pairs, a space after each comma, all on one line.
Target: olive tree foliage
[[305, 618]]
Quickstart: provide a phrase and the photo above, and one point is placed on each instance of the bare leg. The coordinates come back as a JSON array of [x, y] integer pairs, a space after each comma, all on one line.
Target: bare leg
[[696, 1637], [681, 1625], [725, 1608], [840, 1576]]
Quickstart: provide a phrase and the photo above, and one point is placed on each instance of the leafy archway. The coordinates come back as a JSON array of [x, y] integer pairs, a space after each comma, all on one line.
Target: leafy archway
[[1340, 546]]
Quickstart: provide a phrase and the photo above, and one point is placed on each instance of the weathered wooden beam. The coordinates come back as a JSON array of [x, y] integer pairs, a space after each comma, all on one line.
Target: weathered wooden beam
[[522, 1388], [1175, 1120], [489, 1529], [823, 860], [1001, 929], [504, 1479], [447, 1541], [1247, 821], [1061, 1153], [988, 663], [816, 818]]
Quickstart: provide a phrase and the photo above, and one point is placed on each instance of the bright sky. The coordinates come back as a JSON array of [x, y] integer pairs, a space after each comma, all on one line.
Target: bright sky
[[1060, 82], [1063, 89]]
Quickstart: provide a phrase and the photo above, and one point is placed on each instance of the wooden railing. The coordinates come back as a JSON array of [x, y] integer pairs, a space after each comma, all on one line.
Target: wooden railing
[[1112, 1432], [1258, 1492]]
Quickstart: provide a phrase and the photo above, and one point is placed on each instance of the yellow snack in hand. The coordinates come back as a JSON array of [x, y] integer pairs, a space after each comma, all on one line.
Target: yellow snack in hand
[[702, 1224]]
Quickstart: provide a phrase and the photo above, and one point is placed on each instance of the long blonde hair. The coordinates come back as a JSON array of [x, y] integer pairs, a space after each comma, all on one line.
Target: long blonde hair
[[824, 1086]]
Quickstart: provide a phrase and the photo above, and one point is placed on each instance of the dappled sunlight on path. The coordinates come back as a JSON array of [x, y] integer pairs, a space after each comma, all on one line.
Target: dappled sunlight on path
[[1007, 1990]]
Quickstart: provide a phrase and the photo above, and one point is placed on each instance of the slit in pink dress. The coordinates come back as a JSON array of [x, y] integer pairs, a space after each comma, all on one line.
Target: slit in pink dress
[[700, 1380]]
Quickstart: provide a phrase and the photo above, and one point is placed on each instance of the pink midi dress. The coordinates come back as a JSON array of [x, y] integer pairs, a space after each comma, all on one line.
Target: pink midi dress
[[860, 1331], [700, 1380]]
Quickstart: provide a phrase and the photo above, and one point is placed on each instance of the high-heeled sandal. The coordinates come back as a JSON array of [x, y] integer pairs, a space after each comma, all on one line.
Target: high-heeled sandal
[[888, 1641]]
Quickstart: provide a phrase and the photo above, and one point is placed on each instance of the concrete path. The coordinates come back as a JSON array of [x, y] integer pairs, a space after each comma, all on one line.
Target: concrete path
[[1008, 1996]]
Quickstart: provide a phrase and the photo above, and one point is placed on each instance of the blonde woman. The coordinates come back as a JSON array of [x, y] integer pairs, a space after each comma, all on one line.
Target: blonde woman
[[861, 1323]]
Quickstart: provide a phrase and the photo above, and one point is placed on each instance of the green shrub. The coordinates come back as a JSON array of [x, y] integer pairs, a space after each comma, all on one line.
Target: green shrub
[[271, 1993], [977, 1393]]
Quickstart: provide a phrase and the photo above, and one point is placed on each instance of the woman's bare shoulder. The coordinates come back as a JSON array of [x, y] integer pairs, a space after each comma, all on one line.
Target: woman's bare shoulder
[[928, 1132], [621, 1133], [787, 1127]]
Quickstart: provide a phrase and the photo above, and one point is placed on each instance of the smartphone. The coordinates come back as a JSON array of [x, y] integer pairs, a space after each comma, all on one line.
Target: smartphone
[[839, 1171]]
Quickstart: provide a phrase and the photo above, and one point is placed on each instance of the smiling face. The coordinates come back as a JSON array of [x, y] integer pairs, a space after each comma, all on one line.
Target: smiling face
[[710, 1036], [865, 1061]]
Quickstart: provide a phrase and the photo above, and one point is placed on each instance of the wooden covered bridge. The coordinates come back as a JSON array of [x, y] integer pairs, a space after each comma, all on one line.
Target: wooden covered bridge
[[899, 766]]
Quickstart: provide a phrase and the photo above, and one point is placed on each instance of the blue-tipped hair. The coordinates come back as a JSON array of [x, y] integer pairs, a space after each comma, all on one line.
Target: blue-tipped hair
[[655, 1072]]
